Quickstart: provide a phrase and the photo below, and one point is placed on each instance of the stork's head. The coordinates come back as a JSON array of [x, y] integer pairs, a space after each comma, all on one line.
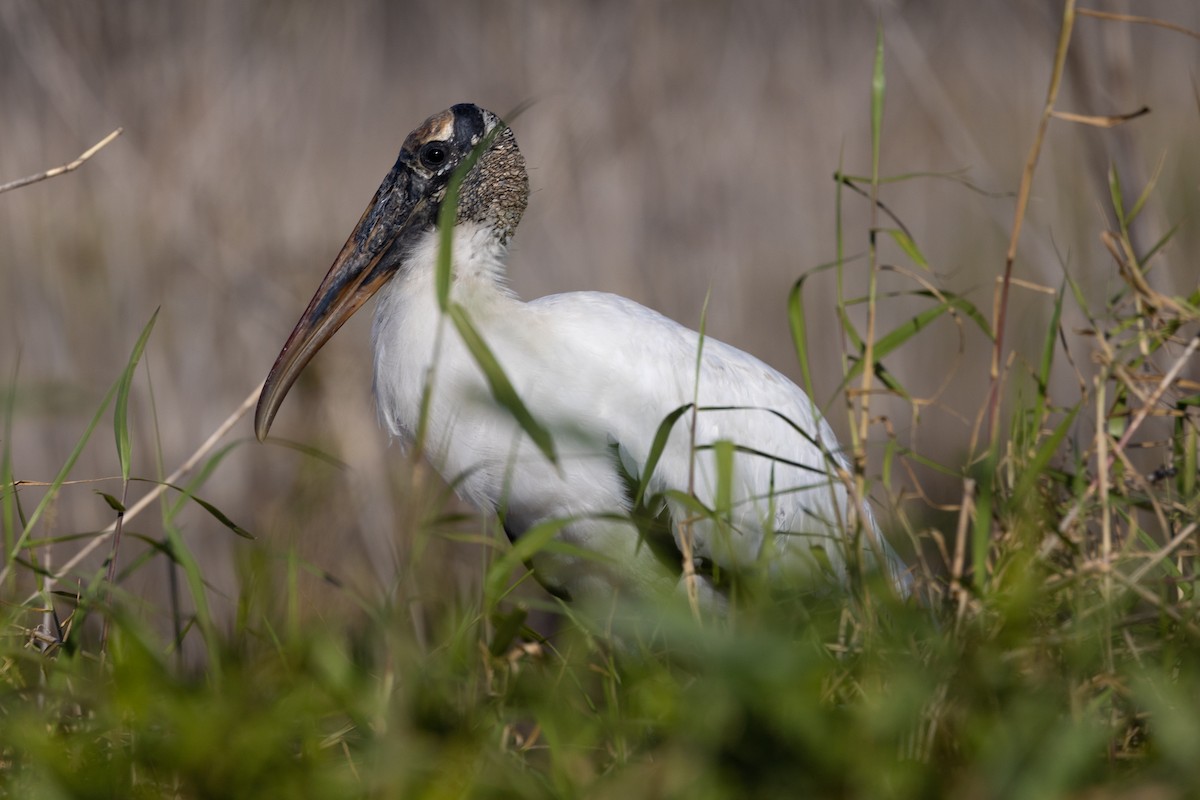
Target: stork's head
[[404, 209]]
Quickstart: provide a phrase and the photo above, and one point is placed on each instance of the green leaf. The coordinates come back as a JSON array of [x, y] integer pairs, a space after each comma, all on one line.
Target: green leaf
[[690, 503], [308, 450], [1114, 194], [527, 545], [113, 503], [753, 451], [905, 331], [1161, 243], [202, 475], [448, 214], [502, 388], [889, 460], [1146, 191], [1033, 470], [908, 246], [1188, 443], [199, 594], [878, 90], [661, 436], [506, 625], [121, 409], [221, 518], [981, 533], [188, 493], [723, 451], [796, 321], [8, 494], [1047, 361]]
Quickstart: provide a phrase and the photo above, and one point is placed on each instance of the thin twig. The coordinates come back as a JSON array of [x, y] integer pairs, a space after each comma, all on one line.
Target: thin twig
[[1060, 57], [1163, 553], [65, 168], [1158, 23], [957, 590], [153, 494], [1102, 476], [1134, 424], [111, 575], [1157, 602], [1100, 121]]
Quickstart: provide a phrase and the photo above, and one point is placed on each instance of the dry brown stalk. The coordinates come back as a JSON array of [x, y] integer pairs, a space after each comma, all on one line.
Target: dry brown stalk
[[1131, 18], [65, 168]]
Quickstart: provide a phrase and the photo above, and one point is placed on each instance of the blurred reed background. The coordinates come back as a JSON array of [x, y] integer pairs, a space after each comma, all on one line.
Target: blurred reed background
[[675, 149]]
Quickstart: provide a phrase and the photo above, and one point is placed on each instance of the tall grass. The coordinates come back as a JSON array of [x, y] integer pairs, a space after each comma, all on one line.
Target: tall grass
[[1054, 651]]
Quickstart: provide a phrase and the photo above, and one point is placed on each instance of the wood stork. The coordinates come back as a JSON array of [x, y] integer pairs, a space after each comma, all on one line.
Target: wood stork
[[600, 373]]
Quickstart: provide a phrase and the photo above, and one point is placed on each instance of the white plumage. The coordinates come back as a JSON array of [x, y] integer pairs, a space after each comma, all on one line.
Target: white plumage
[[601, 373]]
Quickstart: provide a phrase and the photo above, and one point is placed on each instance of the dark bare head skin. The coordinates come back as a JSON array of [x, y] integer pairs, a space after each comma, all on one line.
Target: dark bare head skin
[[495, 192]]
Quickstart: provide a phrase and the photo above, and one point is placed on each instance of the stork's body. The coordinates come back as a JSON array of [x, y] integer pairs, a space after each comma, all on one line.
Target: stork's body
[[600, 373]]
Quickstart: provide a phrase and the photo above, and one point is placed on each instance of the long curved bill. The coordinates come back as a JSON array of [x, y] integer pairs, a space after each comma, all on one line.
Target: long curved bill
[[366, 262]]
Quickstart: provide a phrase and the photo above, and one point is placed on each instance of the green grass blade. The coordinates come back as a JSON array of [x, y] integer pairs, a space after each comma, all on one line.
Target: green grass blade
[[909, 247], [796, 321], [540, 537], [1147, 190], [981, 532], [8, 483], [690, 503], [1032, 471], [703, 331], [196, 588], [221, 518], [308, 450], [188, 492], [819, 472], [121, 409], [502, 388], [202, 475], [889, 342], [1187, 443], [1047, 360], [113, 502], [56, 484], [878, 91], [855, 338], [661, 436], [448, 214], [723, 451], [1161, 243], [1114, 195], [446, 217]]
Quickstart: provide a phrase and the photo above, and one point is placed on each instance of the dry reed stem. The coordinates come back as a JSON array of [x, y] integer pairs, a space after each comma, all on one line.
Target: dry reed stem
[[992, 407], [1163, 552], [1132, 272], [960, 548], [65, 168], [1134, 424], [1104, 121], [689, 566], [1139, 480], [1156, 601], [1158, 23], [1102, 457]]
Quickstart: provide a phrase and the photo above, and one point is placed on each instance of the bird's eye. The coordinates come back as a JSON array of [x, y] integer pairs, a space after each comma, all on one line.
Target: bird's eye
[[434, 154]]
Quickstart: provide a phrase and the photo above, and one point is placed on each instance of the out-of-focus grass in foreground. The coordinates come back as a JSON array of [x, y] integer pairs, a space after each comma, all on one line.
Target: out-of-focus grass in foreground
[[1054, 649]]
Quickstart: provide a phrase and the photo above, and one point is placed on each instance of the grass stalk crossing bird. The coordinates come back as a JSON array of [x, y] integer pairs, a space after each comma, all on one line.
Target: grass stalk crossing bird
[[652, 453]]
